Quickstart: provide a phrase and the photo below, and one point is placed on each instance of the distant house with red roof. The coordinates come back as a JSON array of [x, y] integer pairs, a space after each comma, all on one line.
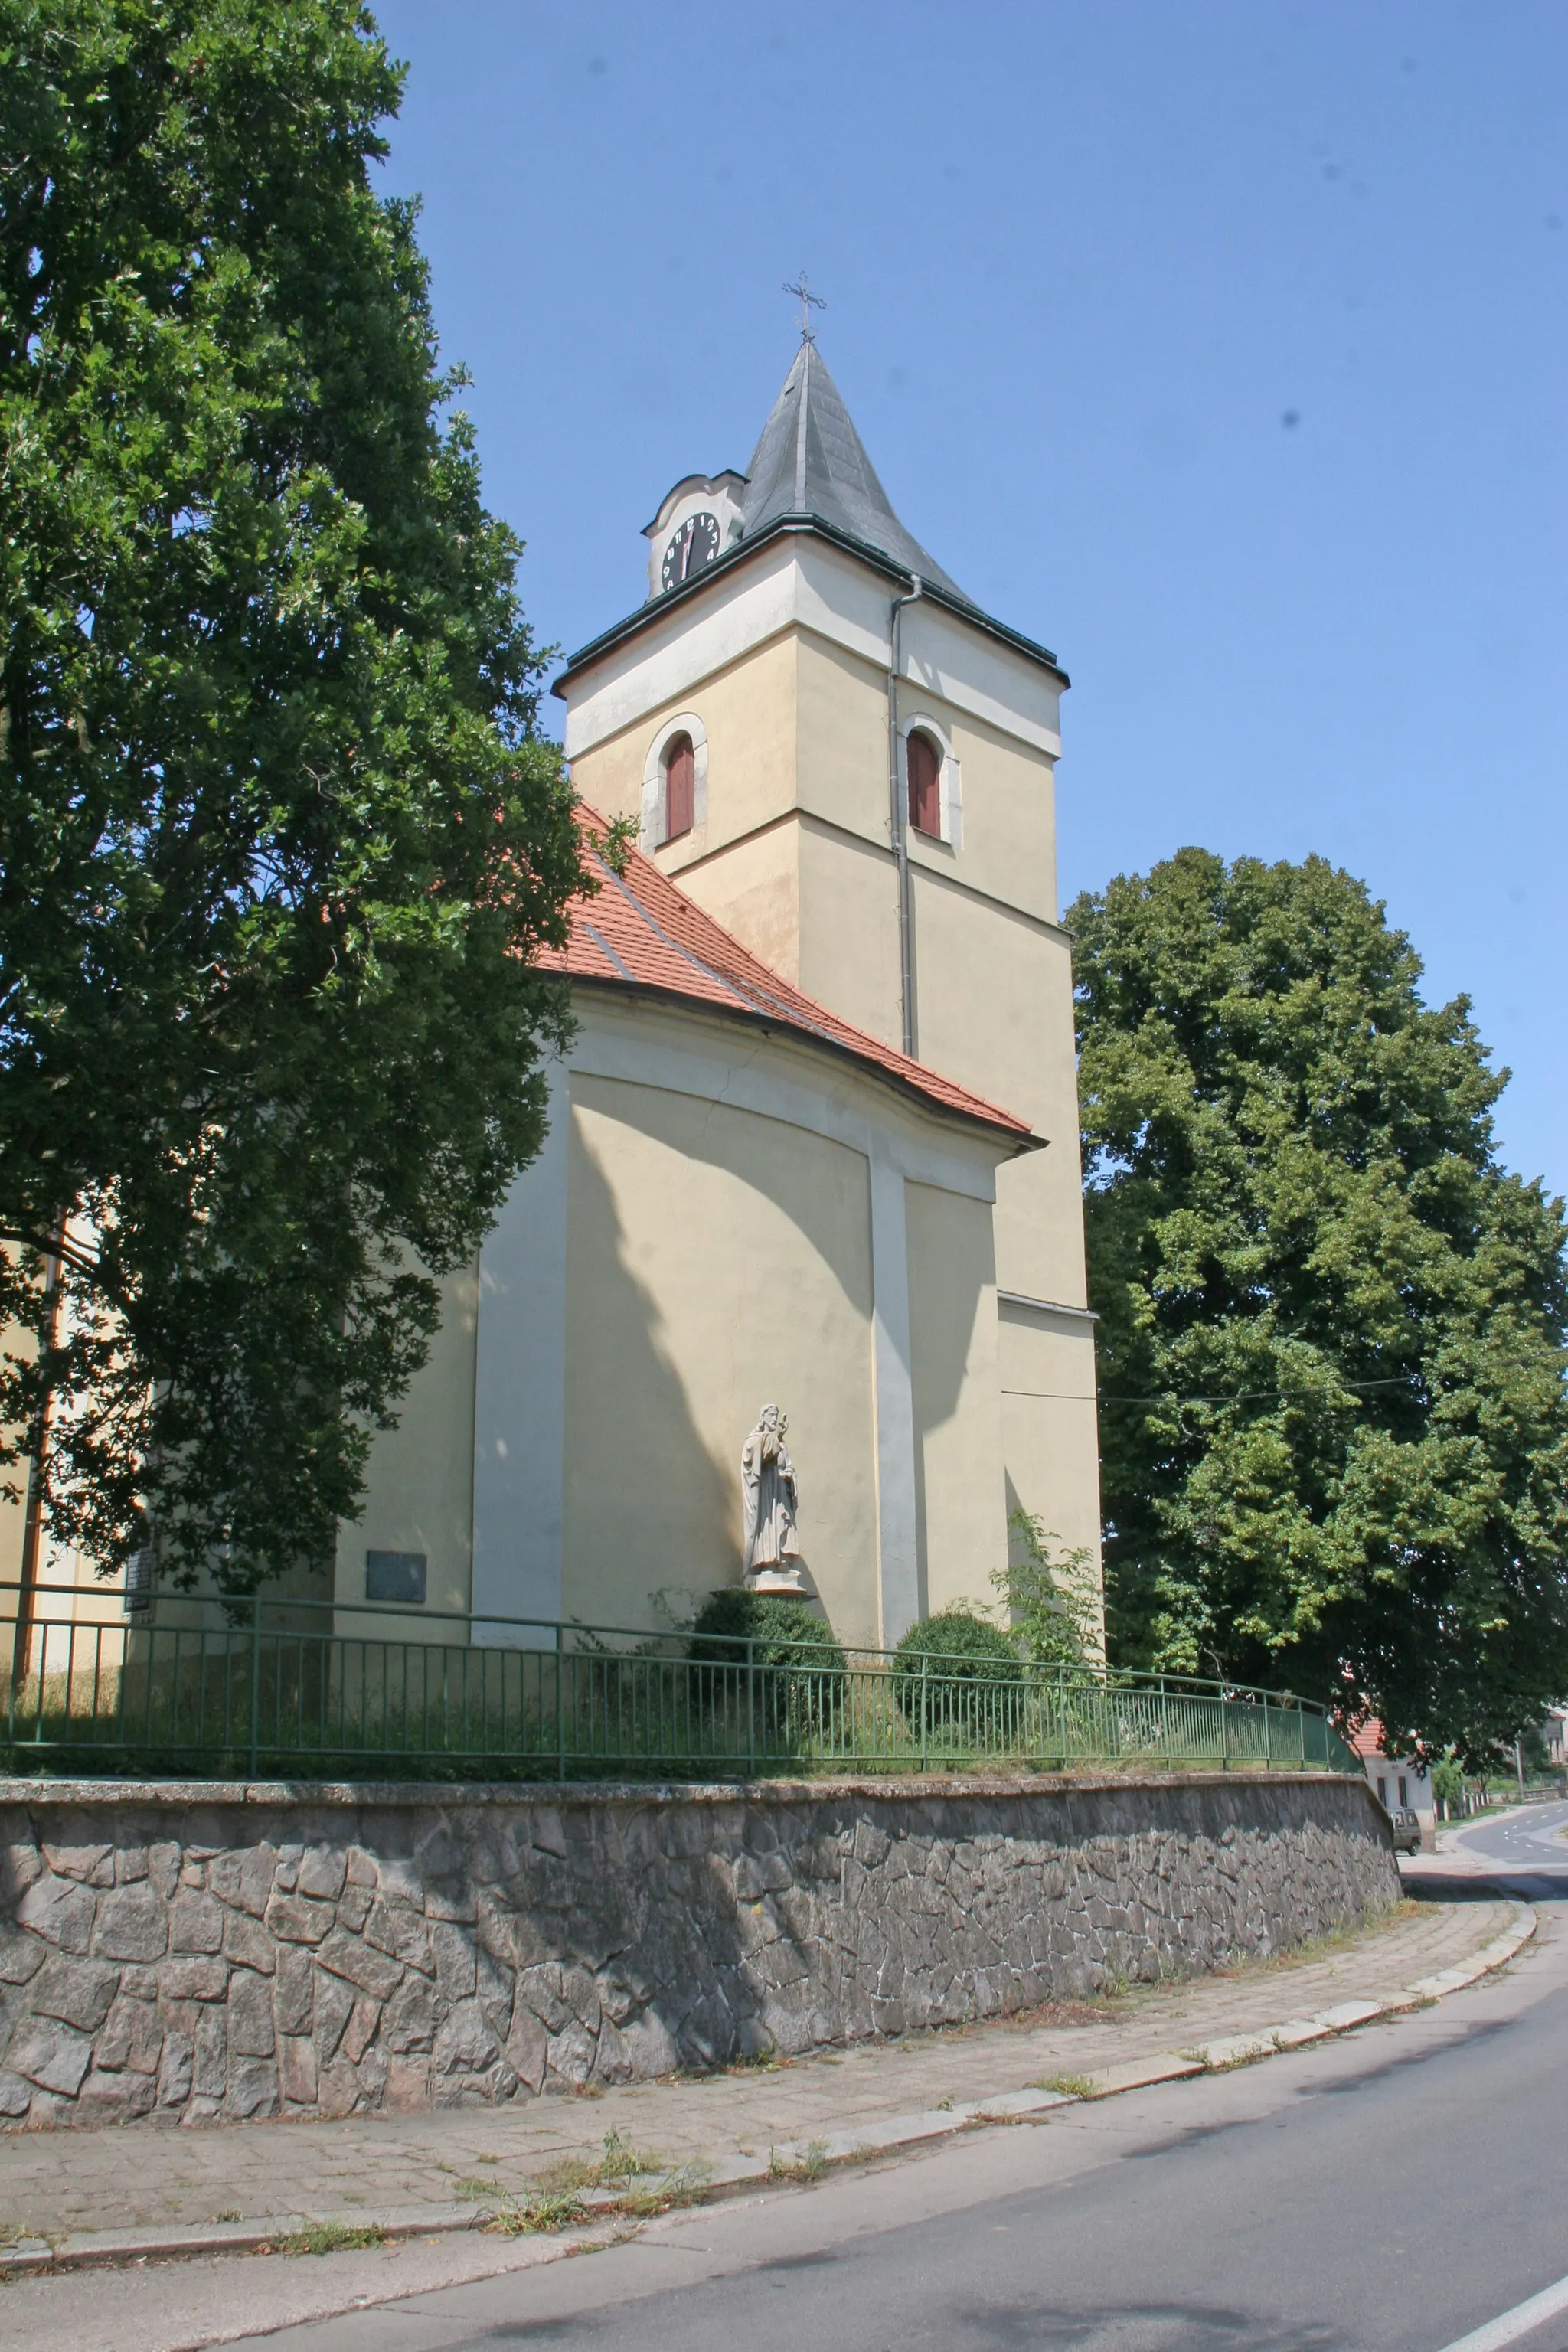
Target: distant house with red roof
[[1396, 1780]]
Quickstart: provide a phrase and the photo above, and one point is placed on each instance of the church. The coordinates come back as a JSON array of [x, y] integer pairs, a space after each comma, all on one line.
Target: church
[[814, 1145]]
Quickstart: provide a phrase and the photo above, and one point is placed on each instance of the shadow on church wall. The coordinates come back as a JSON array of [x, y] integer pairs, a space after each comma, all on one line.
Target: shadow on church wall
[[717, 1260]]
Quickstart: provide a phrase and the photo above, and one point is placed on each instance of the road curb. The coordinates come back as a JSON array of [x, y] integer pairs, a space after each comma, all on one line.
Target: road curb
[[790, 2161]]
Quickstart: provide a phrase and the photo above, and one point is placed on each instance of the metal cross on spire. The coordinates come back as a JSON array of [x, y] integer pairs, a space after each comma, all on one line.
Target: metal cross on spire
[[808, 303]]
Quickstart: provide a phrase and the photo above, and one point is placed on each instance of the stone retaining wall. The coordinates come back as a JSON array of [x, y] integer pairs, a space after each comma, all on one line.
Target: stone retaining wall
[[182, 1953]]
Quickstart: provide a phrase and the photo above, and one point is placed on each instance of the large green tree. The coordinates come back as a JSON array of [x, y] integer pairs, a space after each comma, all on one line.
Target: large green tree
[[279, 841], [1335, 1446]]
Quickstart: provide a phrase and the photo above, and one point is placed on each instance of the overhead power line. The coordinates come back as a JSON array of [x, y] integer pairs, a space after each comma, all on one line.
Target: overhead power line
[[1236, 1396]]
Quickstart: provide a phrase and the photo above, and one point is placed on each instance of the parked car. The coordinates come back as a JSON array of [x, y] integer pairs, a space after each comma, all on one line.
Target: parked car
[[1406, 1830]]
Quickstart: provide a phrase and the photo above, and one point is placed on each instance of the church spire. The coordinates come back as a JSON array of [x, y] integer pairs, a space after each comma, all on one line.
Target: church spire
[[810, 461]]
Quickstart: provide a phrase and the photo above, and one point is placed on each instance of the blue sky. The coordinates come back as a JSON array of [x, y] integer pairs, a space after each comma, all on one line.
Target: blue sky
[[1221, 347]]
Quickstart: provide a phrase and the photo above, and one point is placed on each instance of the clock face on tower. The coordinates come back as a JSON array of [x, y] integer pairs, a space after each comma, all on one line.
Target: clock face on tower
[[693, 545]]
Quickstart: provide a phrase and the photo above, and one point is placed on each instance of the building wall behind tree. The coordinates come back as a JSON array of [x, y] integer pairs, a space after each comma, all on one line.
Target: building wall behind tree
[[419, 1480]]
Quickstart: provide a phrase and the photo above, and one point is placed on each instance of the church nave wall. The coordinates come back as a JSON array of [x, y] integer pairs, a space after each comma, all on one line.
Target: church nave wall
[[959, 1489], [717, 1260]]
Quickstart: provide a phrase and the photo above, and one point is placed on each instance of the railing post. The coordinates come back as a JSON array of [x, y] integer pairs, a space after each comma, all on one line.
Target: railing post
[[925, 1709], [1267, 1734], [750, 1708], [255, 1684], [559, 1703], [1224, 1729]]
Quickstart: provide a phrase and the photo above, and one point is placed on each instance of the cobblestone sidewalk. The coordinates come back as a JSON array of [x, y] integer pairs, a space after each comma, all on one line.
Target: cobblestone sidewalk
[[53, 2184]]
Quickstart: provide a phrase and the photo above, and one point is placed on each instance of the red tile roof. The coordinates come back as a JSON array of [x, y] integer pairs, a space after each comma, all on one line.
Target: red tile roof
[[639, 931]]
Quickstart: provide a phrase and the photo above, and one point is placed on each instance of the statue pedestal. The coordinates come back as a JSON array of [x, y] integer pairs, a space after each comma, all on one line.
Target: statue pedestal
[[788, 1583]]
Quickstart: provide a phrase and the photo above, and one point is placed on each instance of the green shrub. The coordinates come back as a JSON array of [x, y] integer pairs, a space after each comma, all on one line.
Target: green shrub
[[972, 1682], [797, 1684], [783, 1632]]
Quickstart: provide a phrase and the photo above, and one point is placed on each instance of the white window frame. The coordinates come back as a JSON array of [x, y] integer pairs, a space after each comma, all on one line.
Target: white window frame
[[654, 830], [950, 779]]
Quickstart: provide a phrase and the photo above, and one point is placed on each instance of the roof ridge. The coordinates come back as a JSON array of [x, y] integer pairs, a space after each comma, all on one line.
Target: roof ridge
[[802, 406]]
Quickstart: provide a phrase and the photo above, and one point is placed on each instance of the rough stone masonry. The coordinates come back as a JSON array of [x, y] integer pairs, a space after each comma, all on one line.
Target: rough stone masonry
[[182, 1952]]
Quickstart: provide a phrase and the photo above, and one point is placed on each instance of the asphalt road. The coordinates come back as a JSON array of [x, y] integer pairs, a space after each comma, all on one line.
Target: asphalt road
[[1529, 1842], [1389, 2192]]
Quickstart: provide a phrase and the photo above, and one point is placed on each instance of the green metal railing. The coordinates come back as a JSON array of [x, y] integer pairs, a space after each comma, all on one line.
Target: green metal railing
[[277, 1688]]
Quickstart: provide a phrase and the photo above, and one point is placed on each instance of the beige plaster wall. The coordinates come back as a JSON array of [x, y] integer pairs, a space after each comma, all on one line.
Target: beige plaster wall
[[752, 887], [90, 1601], [849, 930], [959, 1487], [992, 974], [717, 1260], [419, 1482], [12, 1510], [12, 1520], [1051, 1424], [995, 995], [748, 711], [1008, 845], [842, 750]]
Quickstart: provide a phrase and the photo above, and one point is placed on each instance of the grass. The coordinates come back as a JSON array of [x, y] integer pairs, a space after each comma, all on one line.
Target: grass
[[525, 2217], [1070, 2086], [639, 2182], [619, 2163], [807, 2166], [332, 2237], [681, 2187]]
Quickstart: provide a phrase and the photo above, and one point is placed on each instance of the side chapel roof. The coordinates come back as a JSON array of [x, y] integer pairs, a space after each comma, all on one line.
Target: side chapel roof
[[640, 931]]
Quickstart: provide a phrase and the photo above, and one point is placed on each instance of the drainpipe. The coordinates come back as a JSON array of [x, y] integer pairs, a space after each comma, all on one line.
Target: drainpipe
[[899, 818]]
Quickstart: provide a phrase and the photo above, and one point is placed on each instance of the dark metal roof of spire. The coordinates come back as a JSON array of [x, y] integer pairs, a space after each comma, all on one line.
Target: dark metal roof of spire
[[810, 471], [810, 461]]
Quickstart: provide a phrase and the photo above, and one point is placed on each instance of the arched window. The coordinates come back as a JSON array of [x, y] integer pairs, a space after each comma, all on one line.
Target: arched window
[[680, 786], [925, 786]]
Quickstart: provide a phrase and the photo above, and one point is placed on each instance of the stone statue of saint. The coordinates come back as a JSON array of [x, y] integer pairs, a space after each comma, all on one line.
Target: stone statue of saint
[[772, 1500]]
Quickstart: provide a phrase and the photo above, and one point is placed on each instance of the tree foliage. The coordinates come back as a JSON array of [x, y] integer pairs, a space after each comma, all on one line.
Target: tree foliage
[[1049, 1605], [1335, 1448], [278, 840]]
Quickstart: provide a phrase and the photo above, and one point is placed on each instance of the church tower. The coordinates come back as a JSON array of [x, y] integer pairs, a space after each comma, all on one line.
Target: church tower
[[848, 764]]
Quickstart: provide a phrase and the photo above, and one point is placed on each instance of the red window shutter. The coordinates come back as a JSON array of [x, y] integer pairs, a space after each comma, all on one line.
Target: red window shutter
[[925, 786], [679, 787]]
